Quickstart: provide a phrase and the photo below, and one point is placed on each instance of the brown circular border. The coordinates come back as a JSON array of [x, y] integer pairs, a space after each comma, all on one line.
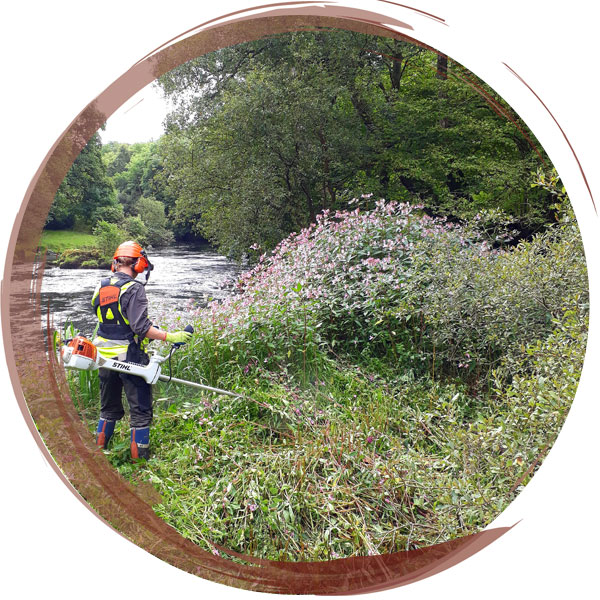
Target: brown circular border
[[41, 388]]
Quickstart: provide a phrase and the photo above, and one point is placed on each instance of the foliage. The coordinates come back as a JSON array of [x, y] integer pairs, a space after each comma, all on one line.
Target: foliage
[[542, 377], [551, 182], [110, 214], [152, 213], [136, 229], [100, 175], [501, 299], [108, 237], [116, 157], [85, 189], [130, 178], [136, 173], [87, 258], [340, 444], [268, 133], [360, 463], [397, 284]]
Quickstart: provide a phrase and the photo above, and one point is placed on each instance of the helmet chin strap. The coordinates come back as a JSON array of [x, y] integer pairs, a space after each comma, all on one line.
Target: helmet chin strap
[[146, 276], [147, 272]]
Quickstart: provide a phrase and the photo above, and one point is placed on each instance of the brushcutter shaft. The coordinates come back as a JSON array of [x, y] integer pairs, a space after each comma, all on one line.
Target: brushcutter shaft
[[199, 386], [81, 354]]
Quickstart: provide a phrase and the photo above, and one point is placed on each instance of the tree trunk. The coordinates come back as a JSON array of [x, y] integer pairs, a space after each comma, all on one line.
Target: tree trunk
[[362, 109], [442, 67], [396, 70], [309, 203], [442, 73], [326, 169]]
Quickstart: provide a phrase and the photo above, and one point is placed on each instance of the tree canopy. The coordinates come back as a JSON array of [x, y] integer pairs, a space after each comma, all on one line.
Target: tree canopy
[[85, 191], [268, 133]]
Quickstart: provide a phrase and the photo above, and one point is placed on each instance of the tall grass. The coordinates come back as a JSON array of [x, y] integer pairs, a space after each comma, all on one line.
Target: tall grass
[[401, 379]]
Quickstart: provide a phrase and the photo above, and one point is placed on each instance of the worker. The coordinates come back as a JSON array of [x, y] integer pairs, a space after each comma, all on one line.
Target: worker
[[124, 331]]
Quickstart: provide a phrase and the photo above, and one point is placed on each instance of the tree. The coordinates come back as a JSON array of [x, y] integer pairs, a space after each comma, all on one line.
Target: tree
[[270, 156], [108, 237], [85, 189], [117, 157], [136, 172], [268, 133], [152, 215], [136, 229]]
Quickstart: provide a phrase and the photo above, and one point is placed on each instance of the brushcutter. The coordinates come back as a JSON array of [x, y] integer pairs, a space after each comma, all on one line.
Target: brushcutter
[[81, 354]]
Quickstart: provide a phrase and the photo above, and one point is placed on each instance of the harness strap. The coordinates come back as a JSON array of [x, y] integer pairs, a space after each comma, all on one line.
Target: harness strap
[[106, 303]]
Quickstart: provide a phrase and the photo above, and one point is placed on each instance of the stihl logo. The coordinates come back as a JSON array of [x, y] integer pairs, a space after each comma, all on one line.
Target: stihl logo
[[122, 366], [108, 295]]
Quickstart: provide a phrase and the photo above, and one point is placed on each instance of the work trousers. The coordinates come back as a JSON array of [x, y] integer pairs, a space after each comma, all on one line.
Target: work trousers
[[137, 392]]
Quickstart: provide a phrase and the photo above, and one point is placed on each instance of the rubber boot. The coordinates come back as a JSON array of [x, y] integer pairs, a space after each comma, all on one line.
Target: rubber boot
[[140, 443], [104, 432]]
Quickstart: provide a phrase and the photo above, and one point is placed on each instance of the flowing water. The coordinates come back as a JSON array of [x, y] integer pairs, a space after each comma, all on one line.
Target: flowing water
[[183, 275]]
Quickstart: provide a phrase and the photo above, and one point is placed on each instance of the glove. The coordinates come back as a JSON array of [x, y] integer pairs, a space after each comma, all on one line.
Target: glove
[[178, 337]]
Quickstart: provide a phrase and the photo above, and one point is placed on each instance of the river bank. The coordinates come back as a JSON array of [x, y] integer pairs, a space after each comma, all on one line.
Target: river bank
[[77, 259], [70, 249]]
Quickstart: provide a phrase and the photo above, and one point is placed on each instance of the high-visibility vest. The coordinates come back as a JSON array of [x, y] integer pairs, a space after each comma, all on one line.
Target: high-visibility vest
[[114, 333]]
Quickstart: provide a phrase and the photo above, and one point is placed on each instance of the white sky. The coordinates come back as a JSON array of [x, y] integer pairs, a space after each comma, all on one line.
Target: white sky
[[139, 119]]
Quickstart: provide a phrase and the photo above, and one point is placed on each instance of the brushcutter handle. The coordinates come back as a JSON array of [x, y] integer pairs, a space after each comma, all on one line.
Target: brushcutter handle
[[188, 328]]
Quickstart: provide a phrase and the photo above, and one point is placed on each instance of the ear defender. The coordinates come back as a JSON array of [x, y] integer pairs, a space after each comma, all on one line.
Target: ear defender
[[141, 264]]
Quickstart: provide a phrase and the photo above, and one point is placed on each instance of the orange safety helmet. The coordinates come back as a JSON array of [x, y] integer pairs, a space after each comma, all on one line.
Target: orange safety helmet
[[132, 249]]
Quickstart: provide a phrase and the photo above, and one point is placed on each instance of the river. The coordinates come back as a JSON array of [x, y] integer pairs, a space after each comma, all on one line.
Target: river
[[182, 274]]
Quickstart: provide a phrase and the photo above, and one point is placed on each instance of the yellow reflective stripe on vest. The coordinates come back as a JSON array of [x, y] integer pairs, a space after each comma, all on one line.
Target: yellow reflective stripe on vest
[[124, 288], [110, 348], [112, 352], [96, 292]]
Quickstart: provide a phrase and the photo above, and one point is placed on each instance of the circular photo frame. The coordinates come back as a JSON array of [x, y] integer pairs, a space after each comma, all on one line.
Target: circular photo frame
[[42, 390]]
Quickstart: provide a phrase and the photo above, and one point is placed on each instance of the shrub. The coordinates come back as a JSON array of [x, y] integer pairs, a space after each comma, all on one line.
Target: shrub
[[529, 413], [136, 230], [392, 283], [152, 213], [478, 307], [335, 447], [108, 237], [74, 259], [110, 214]]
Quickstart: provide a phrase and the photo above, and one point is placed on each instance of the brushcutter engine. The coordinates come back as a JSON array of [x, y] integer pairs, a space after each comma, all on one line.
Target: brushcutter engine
[[80, 353]]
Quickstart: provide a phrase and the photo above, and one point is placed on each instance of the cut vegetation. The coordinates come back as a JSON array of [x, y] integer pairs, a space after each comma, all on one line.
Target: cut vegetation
[[400, 387]]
